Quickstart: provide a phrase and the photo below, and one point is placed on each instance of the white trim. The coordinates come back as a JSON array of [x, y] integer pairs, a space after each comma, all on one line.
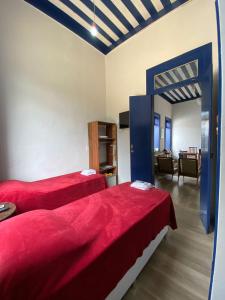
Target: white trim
[[128, 279]]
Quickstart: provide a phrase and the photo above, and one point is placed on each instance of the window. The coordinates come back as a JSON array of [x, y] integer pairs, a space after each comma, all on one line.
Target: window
[[156, 132], [168, 134]]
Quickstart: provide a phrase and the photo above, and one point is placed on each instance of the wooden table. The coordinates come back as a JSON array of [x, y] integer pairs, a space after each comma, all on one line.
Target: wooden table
[[9, 212]]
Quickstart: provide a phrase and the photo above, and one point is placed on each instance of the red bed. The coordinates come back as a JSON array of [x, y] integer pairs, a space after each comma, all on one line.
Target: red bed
[[50, 193], [80, 251]]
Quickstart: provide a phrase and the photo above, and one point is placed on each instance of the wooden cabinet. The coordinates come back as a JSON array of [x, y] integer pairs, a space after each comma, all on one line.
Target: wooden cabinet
[[103, 147]]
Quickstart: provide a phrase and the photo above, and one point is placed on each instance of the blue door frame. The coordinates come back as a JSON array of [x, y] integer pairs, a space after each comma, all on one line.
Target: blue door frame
[[219, 109], [204, 56]]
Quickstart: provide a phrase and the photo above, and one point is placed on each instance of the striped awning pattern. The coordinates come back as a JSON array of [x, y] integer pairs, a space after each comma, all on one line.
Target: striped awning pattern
[[116, 20], [173, 79]]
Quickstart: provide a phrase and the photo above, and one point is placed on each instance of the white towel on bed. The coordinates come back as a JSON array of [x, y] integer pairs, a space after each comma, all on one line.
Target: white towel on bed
[[88, 172], [141, 185]]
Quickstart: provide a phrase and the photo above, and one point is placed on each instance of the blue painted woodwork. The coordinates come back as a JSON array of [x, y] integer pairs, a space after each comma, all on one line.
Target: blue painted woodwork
[[103, 17], [57, 14], [150, 8], [132, 8], [141, 138], [78, 11], [118, 14], [206, 197], [166, 3], [204, 56], [219, 108]]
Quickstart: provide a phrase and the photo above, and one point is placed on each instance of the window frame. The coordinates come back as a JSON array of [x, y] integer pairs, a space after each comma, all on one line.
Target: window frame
[[167, 119], [159, 118]]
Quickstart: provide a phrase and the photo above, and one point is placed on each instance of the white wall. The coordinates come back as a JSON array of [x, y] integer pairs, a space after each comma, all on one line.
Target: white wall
[[51, 84], [127, 64], [218, 287], [164, 108], [186, 126]]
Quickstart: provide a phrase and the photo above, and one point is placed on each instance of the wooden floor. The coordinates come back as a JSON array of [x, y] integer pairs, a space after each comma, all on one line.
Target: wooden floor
[[180, 267]]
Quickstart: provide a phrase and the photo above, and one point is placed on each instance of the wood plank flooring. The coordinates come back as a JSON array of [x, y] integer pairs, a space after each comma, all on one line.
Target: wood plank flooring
[[180, 267]]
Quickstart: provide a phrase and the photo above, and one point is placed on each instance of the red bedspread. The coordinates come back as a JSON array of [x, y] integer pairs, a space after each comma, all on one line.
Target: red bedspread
[[50, 193], [80, 251]]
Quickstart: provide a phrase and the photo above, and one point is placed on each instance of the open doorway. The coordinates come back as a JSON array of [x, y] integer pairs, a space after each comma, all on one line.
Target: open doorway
[[187, 77], [189, 247]]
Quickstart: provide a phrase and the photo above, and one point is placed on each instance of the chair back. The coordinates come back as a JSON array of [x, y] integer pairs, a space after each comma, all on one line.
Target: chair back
[[193, 150], [188, 167], [183, 154], [165, 164]]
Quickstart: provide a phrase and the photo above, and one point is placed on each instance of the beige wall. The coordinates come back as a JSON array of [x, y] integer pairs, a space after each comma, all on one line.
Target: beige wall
[[51, 84], [186, 126], [188, 27]]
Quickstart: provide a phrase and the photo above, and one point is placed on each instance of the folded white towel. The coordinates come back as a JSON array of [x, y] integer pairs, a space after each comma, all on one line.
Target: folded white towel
[[141, 185], [88, 172]]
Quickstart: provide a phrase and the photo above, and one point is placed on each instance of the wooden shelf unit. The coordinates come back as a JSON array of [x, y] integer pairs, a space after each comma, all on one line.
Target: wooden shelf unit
[[103, 147]]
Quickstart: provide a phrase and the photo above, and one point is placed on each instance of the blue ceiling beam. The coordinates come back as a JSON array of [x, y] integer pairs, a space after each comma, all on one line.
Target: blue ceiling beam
[[103, 17], [188, 90], [183, 93], [176, 93], [132, 8], [150, 8], [111, 6], [167, 98], [185, 100], [166, 4], [80, 13], [147, 22], [176, 85], [55, 13]]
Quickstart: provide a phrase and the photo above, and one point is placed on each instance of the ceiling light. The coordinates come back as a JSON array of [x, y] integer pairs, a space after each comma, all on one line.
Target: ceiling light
[[93, 28]]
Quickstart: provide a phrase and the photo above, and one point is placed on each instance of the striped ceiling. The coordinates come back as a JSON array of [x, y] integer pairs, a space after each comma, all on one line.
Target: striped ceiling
[[116, 20], [175, 77]]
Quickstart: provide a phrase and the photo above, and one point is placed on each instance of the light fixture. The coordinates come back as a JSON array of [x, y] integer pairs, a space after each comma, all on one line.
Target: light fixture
[[93, 29]]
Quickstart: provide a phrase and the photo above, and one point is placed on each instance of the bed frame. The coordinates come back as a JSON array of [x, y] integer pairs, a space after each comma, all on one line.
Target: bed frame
[[129, 278]]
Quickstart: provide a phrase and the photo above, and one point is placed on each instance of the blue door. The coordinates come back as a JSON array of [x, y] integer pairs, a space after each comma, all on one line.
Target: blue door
[[207, 144], [141, 138]]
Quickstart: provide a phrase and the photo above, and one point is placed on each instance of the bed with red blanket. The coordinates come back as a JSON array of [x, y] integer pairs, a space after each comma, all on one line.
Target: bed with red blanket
[[80, 251], [50, 193]]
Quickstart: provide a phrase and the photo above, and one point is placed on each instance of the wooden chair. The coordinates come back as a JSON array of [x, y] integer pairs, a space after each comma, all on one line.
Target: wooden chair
[[193, 150], [166, 165], [188, 167], [185, 154]]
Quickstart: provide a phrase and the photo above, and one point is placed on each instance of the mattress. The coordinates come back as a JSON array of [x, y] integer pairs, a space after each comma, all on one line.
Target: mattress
[[81, 250], [50, 193]]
